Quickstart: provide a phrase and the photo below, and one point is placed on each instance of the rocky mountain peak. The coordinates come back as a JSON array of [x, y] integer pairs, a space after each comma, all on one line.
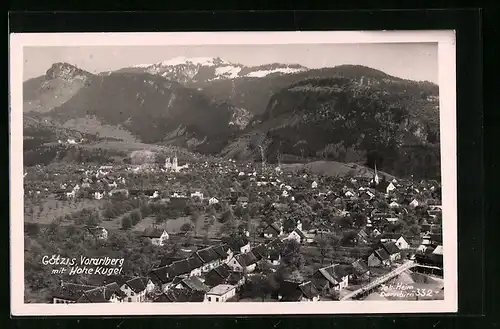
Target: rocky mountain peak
[[66, 71]]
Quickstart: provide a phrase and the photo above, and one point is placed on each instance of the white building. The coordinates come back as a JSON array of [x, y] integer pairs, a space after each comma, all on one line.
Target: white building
[[157, 236], [213, 200], [390, 188], [197, 194], [414, 203], [220, 293]]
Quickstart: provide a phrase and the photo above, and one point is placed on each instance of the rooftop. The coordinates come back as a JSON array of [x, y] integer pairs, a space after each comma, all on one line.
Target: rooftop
[[221, 289]]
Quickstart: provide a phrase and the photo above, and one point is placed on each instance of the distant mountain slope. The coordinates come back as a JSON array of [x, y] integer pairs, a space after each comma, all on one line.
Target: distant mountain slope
[[150, 107], [254, 94], [390, 121], [206, 69]]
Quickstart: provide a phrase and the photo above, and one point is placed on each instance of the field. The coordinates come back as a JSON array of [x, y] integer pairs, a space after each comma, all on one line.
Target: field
[[52, 208]]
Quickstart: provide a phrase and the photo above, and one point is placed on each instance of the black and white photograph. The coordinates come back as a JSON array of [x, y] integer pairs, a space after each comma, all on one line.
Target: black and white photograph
[[212, 173]]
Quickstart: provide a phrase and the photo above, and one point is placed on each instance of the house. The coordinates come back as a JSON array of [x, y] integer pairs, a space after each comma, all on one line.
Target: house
[[194, 284], [69, 292], [362, 236], [394, 205], [260, 251], [98, 232], [242, 201], [375, 233], [366, 195], [272, 231], [224, 252], [177, 295], [290, 291], [135, 289], [98, 195], [212, 201], [101, 295], [414, 203], [379, 257], [209, 257], [398, 239], [360, 270], [392, 220], [197, 194], [220, 293], [274, 257], [438, 250], [195, 266], [393, 250], [349, 194], [237, 279], [156, 235], [297, 235], [218, 275], [237, 244], [243, 262], [391, 187], [314, 184], [333, 277], [162, 277]]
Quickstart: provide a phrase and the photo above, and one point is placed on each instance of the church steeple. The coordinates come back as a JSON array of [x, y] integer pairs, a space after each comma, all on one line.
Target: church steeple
[[376, 179]]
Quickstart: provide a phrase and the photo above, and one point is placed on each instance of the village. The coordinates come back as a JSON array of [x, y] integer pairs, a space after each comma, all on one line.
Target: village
[[229, 231]]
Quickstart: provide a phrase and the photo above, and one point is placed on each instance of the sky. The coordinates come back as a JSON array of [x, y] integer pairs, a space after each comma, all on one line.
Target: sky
[[415, 61]]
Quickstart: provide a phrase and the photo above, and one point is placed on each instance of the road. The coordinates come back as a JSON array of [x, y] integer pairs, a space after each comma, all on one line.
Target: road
[[397, 271]]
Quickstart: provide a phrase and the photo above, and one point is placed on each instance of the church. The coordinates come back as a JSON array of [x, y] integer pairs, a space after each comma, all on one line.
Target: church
[[172, 166]]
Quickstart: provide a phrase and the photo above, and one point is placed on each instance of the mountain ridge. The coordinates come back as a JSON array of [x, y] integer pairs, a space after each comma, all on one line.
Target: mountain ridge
[[348, 113]]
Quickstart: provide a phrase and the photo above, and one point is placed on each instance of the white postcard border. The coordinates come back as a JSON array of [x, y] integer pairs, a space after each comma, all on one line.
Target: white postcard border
[[447, 93]]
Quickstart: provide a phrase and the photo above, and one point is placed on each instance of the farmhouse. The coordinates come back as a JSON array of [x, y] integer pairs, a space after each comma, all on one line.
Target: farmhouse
[[237, 244], [156, 235], [98, 232], [243, 262], [400, 241], [393, 250], [360, 270], [333, 277], [297, 235], [272, 231], [379, 257], [135, 289]]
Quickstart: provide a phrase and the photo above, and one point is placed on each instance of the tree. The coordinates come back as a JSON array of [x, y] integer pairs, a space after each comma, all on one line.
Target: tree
[[227, 216], [349, 238], [135, 217], [325, 246], [186, 227], [292, 259], [288, 224], [359, 219], [126, 223], [195, 217]]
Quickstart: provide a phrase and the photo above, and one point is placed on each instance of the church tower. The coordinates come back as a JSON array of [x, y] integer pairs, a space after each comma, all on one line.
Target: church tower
[[168, 165], [376, 179], [175, 163]]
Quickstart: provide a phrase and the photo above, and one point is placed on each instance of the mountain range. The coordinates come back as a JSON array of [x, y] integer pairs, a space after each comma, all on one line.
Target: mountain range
[[284, 112]]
